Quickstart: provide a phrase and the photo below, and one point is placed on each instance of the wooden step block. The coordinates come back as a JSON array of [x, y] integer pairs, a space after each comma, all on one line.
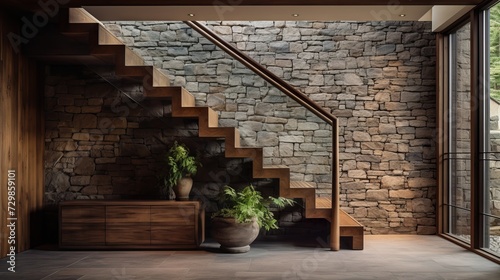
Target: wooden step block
[[80, 15], [180, 97], [349, 227], [275, 167], [161, 80], [323, 203], [133, 71], [133, 59], [213, 118], [187, 99], [108, 38], [217, 132], [301, 185], [269, 171], [242, 152]]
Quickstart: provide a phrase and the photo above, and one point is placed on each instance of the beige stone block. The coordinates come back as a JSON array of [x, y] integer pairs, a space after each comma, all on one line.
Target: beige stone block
[[422, 205], [363, 204], [387, 156], [377, 195], [81, 136], [392, 182], [421, 182], [359, 174], [80, 180], [361, 136], [377, 213], [405, 194]]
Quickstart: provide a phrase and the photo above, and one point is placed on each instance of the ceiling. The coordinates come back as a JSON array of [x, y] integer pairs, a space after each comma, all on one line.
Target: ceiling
[[325, 10], [324, 13]]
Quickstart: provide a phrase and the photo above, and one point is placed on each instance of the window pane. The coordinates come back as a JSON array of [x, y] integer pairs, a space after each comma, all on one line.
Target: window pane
[[492, 240], [459, 173], [491, 199], [460, 223]]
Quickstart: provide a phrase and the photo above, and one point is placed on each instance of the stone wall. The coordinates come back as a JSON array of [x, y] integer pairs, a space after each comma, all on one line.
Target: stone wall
[[377, 78], [100, 144]]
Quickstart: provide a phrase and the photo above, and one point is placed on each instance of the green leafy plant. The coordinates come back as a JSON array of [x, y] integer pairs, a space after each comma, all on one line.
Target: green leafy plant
[[248, 204], [180, 164]]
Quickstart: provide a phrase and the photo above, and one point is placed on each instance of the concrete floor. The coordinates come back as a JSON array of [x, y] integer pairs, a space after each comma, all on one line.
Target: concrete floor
[[384, 257]]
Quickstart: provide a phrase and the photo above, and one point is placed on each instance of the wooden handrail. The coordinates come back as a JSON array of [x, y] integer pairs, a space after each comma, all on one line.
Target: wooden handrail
[[263, 72], [303, 100]]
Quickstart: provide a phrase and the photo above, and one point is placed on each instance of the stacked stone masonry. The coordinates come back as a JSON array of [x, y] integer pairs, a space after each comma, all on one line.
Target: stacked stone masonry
[[378, 78]]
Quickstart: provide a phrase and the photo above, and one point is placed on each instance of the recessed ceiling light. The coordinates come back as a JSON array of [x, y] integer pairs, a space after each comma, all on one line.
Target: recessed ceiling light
[[191, 15], [295, 15], [402, 15]]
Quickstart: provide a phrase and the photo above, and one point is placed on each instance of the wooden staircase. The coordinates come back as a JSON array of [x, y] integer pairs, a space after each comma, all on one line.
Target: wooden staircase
[[100, 47]]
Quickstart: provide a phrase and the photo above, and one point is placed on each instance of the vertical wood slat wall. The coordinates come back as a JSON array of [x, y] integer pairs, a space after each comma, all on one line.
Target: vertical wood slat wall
[[21, 136]]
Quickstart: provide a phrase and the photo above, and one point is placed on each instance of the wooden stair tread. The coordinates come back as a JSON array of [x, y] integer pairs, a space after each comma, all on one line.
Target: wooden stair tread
[[80, 15], [346, 220], [301, 185], [275, 167], [323, 203]]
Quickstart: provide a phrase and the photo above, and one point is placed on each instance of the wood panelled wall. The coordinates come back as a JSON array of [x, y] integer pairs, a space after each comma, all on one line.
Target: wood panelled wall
[[21, 136]]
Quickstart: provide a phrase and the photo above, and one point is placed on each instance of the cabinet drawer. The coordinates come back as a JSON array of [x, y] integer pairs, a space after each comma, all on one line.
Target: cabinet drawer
[[174, 215], [172, 235], [127, 214], [83, 234], [83, 214], [128, 234]]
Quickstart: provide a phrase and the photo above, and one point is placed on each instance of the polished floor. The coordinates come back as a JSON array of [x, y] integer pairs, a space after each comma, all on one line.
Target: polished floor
[[384, 257]]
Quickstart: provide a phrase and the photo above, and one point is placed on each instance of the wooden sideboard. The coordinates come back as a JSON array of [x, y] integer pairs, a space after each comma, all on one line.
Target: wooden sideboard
[[131, 224]]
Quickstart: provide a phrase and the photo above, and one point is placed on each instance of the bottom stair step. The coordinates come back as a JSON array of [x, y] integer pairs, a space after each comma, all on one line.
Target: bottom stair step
[[349, 227]]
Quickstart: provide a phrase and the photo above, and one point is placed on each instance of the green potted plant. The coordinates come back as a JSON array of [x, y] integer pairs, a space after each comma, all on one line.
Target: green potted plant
[[237, 222], [181, 166]]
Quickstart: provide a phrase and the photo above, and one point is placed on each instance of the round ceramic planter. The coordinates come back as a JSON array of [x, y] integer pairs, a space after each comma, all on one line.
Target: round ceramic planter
[[234, 237]]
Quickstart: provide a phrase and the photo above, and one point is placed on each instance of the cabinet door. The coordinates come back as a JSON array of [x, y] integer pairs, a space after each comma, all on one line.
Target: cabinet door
[[172, 235], [75, 214], [82, 235], [128, 225], [82, 225], [174, 225], [127, 214], [173, 214]]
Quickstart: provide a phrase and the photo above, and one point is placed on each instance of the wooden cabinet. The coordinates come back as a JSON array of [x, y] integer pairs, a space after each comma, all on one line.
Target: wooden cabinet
[[101, 224], [83, 225], [128, 225]]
